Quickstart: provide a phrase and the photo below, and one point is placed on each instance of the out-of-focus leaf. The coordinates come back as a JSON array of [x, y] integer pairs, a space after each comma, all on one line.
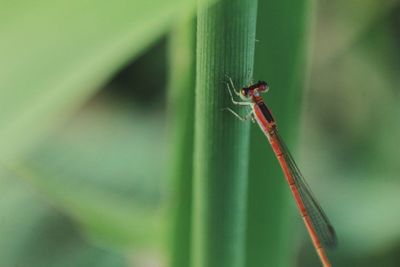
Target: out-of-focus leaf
[[104, 171], [34, 234], [54, 54], [181, 99]]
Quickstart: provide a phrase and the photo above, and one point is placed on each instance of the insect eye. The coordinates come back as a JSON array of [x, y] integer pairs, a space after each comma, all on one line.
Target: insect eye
[[244, 92], [263, 86]]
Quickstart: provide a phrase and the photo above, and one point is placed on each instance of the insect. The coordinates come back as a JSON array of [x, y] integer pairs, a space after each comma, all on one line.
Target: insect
[[317, 223]]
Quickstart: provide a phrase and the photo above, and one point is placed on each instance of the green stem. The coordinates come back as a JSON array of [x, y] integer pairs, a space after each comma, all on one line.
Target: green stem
[[281, 59], [181, 107], [225, 46]]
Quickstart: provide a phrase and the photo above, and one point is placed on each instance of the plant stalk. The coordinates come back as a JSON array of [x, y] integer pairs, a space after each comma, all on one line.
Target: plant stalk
[[225, 46], [181, 114]]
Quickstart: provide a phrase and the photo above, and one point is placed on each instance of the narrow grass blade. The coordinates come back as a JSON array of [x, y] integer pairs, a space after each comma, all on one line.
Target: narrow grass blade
[[181, 112], [225, 46]]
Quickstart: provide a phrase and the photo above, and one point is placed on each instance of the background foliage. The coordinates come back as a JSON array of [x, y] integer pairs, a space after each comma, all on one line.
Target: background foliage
[[86, 141]]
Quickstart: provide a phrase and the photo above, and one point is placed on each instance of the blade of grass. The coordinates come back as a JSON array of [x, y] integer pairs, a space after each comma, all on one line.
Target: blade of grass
[[181, 108], [225, 45], [281, 60]]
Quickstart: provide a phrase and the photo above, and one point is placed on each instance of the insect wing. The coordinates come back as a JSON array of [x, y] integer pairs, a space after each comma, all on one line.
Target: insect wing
[[319, 220]]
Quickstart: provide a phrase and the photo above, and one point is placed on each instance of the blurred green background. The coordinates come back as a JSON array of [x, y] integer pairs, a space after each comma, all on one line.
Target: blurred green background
[[85, 132]]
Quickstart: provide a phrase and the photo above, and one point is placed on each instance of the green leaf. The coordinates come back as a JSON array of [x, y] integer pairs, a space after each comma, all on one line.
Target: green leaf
[[93, 172], [55, 54], [182, 51], [35, 234], [225, 46]]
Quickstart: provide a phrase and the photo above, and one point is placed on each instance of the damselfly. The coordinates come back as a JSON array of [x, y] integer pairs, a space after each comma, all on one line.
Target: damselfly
[[319, 228]]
